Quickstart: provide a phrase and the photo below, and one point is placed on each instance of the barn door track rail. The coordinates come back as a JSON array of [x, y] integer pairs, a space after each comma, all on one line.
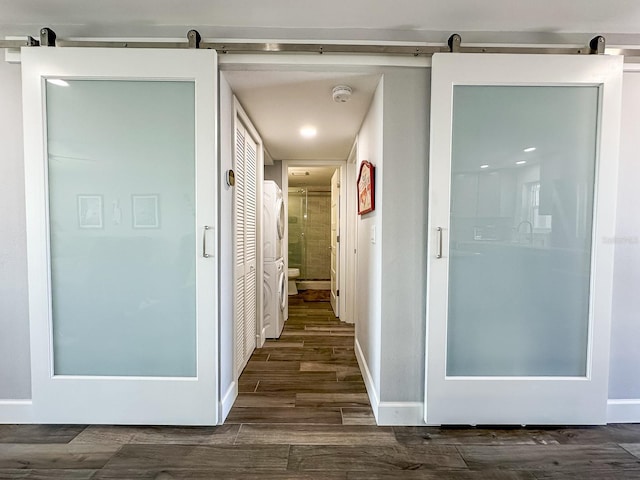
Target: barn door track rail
[[48, 38]]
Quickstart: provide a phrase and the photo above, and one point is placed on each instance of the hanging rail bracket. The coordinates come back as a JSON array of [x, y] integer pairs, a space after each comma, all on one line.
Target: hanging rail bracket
[[47, 37], [454, 43], [194, 38], [597, 45]]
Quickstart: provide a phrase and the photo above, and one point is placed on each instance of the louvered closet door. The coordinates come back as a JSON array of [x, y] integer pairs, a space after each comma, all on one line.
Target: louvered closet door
[[239, 247], [245, 271], [250, 241]]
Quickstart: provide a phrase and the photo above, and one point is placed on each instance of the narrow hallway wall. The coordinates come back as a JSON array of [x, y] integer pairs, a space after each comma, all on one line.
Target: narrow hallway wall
[[15, 363]]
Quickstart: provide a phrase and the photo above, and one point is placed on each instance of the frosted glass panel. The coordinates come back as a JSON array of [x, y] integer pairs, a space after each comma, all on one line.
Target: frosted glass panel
[[121, 165], [522, 187]]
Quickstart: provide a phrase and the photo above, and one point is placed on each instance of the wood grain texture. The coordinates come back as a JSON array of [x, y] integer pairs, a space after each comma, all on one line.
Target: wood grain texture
[[358, 416], [208, 474], [332, 400], [39, 433], [441, 475], [265, 400], [47, 474], [327, 416], [223, 458], [55, 456], [373, 458], [316, 435], [473, 436], [98, 434], [632, 448], [572, 458]]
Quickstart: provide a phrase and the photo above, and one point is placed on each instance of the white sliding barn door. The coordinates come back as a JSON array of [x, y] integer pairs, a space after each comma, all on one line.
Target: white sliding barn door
[[523, 175], [120, 159], [245, 245]]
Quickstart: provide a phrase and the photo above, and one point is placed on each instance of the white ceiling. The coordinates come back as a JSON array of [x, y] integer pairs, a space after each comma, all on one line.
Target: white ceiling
[[280, 103], [317, 176], [337, 19]]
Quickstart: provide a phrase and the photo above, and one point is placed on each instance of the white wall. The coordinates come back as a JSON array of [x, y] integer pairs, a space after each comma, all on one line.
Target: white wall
[[228, 389], [369, 273], [404, 233], [624, 380], [15, 365], [274, 172]]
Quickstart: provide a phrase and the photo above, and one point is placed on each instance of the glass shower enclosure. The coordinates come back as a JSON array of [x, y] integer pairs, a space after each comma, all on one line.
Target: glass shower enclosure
[[309, 243]]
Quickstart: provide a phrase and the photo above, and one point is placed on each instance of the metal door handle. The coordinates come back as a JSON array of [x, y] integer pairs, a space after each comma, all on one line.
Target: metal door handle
[[204, 241], [439, 250]]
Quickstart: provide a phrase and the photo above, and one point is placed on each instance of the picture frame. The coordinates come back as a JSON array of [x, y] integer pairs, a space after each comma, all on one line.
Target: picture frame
[[145, 211], [366, 188], [90, 211]]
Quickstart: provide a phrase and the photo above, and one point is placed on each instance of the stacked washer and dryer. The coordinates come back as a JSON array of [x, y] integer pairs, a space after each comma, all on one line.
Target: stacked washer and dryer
[[275, 281]]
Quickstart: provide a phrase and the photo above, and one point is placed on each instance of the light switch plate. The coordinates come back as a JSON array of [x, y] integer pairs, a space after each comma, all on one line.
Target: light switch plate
[[373, 234]]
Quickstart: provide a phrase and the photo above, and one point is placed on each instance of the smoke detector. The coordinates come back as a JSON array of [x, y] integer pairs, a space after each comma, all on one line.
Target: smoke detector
[[341, 93]]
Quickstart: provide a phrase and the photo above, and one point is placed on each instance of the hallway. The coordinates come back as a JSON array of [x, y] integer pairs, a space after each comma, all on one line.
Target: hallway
[[309, 375]]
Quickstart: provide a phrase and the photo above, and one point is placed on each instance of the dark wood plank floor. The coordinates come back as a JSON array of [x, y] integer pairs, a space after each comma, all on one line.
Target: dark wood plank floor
[[303, 414], [308, 376]]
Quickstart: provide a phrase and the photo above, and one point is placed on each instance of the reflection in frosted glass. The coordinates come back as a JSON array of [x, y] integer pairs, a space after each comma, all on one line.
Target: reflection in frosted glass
[[522, 182], [122, 227]]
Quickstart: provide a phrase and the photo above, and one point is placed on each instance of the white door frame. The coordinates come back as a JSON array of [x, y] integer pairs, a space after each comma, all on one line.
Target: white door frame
[[339, 164], [348, 254], [336, 237], [122, 399]]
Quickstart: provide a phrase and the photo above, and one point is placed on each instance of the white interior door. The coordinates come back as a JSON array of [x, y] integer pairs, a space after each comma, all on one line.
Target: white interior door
[[523, 174], [335, 244], [120, 156], [245, 245]]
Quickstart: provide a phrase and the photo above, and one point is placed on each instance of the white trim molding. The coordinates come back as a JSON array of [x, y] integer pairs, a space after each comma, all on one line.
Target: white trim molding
[[227, 401], [401, 413], [623, 410], [368, 381], [16, 411]]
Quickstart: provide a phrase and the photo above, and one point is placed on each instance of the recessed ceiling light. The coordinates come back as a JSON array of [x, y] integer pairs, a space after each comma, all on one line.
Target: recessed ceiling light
[[484, 166], [529, 149], [521, 162], [308, 132], [58, 82]]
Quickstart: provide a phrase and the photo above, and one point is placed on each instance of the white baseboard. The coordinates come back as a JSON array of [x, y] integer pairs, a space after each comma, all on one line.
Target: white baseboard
[[401, 413], [388, 413], [16, 411], [368, 380], [623, 410], [227, 401]]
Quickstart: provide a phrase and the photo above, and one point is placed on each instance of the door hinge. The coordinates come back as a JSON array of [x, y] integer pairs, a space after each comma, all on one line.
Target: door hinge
[[338, 239], [337, 293]]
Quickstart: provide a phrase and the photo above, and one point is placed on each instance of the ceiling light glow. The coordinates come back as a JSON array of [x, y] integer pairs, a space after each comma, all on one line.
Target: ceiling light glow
[[58, 82], [521, 162], [529, 149], [308, 132], [484, 166]]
